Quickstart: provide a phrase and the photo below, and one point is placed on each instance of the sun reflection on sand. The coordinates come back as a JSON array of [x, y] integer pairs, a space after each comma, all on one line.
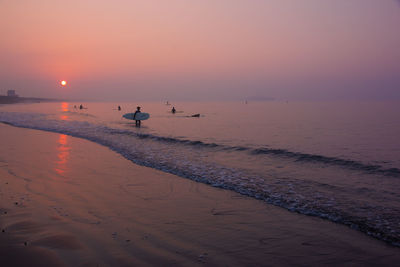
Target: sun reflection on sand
[[63, 154]]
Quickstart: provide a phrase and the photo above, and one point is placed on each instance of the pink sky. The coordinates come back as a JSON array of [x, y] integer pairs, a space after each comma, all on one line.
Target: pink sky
[[200, 50]]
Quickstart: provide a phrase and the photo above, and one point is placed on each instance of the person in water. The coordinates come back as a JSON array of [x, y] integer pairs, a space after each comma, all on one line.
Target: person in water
[[119, 107], [173, 110], [81, 107], [137, 122]]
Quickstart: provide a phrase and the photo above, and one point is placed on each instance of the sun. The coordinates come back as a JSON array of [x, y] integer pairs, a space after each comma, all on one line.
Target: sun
[[63, 83]]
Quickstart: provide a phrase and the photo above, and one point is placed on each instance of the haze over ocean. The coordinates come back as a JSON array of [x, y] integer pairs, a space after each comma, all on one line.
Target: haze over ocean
[[230, 50]]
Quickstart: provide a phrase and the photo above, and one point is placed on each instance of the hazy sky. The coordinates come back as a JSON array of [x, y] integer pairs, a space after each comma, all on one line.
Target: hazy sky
[[201, 50]]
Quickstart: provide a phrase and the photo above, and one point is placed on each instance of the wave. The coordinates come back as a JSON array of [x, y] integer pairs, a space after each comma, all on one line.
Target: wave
[[296, 156], [304, 157]]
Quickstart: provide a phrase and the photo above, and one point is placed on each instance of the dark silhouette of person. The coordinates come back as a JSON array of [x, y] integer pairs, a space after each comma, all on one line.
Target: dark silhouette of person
[[137, 122], [119, 107], [81, 107], [173, 110]]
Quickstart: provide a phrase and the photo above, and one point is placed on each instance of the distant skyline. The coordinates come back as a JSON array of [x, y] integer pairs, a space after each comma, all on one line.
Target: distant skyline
[[201, 50]]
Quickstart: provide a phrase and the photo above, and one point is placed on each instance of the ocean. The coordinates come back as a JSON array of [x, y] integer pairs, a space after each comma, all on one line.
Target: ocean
[[335, 160]]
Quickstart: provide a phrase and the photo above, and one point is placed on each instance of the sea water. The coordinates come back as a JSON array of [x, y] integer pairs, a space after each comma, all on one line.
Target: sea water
[[335, 160]]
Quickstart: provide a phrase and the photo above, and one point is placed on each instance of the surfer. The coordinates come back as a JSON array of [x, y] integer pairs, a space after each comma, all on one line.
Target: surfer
[[173, 110], [119, 108], [81, 107], [137, 122]]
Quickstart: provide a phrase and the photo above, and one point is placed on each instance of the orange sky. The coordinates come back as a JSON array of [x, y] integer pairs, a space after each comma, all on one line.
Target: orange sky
[[176, 48]]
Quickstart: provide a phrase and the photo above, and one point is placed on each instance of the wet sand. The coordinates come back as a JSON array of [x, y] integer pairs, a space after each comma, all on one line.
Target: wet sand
[[69, 202]]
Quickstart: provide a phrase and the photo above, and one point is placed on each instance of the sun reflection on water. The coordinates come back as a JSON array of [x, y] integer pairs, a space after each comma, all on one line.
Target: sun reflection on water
[[64, 109]]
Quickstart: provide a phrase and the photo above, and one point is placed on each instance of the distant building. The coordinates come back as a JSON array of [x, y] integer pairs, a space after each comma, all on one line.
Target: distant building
[[11, 93]]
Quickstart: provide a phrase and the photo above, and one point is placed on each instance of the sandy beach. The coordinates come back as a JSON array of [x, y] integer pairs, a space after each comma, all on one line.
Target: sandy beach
[[70, 202]]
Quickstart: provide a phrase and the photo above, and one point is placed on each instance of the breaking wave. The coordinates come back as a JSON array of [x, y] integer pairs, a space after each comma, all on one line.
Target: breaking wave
[[297, 156]]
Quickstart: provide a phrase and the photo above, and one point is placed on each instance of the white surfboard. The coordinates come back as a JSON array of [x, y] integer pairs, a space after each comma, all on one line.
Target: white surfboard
[[141, 116]]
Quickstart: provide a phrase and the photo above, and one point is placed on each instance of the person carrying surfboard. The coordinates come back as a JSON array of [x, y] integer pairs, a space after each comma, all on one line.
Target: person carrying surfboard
[[137, 122]]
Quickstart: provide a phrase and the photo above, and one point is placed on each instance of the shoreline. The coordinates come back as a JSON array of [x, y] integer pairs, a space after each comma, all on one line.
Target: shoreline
[[81, 204]]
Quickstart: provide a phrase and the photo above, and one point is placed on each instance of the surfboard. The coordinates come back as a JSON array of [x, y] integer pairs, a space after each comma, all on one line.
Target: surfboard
[[139, 116]]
